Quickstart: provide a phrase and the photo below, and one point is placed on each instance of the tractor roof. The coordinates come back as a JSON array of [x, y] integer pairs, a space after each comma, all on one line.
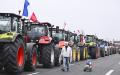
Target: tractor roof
[[46, 23], [90, 35], [42, 23], [10, 14]]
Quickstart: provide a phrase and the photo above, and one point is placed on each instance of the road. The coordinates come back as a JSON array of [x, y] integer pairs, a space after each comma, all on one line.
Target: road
[[109, 65]]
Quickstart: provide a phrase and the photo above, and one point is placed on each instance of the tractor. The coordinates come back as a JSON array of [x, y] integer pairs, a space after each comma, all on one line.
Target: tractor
[[101, 45], [66, 36], [76, 51], [92, 46], [60, 37], [14, 49], [82, 47], [40, 34]]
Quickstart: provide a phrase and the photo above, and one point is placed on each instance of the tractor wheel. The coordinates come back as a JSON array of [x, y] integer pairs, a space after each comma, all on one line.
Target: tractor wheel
[[102, 52], [86, 53], [48, 56], [78, 55], [93, 52], [1, 59], [31, 62], [14, 56], [57, 56], [82, 53]]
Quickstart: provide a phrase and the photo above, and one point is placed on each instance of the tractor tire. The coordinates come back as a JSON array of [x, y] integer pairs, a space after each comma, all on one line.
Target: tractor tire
[[1, 59], [102, 52], [78, 56], [82, 53], [31, 61], [57, 56], [14, 56], [48, 58], [93, 52], [86, 53]]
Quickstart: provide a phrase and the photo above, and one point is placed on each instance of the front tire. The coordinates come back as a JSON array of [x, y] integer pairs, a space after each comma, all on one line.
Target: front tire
[[48, 56], [31, 61], [13, 55]]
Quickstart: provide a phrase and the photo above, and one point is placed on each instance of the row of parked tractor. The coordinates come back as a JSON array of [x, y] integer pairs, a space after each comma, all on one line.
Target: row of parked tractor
[[24, 44]]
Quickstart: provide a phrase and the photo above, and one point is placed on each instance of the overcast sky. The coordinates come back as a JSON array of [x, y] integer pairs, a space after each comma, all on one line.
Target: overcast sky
[[100, 17]]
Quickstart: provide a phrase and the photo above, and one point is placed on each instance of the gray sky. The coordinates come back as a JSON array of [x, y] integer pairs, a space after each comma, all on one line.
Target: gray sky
[[100, 17]]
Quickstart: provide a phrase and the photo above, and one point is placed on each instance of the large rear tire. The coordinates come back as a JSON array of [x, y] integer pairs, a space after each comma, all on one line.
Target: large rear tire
[[1, 58], [82, 53], [31, 61], [14, 56], [102, 52], [93, 52], [48, 56]]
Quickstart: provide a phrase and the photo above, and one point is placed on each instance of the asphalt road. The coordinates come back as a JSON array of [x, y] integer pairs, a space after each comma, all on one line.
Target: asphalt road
[[109, 65]]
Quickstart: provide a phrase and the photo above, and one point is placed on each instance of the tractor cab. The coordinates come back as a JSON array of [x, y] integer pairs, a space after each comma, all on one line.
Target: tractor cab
[[9, 25], [9, 22], [37, 31], [91, 40], [81, 40], [73, 38], [59, 36]]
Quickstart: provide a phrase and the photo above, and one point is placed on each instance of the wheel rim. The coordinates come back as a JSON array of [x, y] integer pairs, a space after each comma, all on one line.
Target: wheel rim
[[52, 57], [34, 58], [20, 56]]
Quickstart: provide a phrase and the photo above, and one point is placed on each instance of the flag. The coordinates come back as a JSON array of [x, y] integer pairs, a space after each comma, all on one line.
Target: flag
[[33, 17], [25, 10]]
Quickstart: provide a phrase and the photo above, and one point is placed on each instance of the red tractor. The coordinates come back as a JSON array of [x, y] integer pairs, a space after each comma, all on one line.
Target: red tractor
[[40, 34]]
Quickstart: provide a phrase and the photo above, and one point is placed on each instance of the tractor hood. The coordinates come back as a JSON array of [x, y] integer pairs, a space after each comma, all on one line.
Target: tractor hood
[[7, 37], [90, 44]]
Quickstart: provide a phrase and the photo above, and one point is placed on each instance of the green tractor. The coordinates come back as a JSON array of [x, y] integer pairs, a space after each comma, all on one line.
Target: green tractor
[[92, 45], [14, 48]]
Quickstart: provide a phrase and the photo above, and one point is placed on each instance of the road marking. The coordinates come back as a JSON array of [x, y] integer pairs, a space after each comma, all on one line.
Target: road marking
[[109, 72], [33, 73]]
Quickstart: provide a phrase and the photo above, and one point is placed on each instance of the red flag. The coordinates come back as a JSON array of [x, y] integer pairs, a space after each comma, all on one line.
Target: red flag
[[33, 17]]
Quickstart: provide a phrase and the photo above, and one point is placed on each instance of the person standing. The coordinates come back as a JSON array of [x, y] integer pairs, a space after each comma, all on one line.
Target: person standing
[[66, 53]]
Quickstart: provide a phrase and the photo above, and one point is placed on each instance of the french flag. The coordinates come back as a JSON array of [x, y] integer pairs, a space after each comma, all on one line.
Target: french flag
[[26, 12]]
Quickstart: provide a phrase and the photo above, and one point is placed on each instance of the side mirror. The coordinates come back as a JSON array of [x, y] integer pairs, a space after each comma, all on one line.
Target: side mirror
[[57, 29]]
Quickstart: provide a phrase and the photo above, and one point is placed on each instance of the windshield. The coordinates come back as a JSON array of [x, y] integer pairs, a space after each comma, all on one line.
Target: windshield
[[72, 38], [89, 39], [59, 35], [36, 31], [5, 24]]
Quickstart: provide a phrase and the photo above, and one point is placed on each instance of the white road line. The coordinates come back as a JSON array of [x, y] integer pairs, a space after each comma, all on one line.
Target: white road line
[[109, 72], [33, 73]]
